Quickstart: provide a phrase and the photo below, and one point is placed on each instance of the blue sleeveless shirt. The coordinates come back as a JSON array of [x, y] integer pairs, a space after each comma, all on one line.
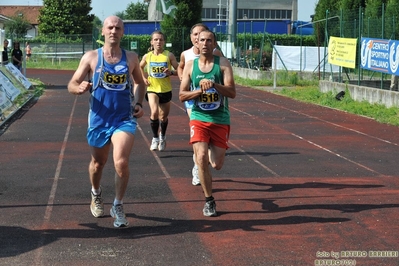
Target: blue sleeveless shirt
[[111, 95]]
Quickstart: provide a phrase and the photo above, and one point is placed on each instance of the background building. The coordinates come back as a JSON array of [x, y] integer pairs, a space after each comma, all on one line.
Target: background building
[[30, 13], [257, 16], [246, 10]]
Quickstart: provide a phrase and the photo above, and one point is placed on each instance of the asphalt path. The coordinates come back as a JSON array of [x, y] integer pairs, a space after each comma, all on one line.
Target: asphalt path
[[301, 185]]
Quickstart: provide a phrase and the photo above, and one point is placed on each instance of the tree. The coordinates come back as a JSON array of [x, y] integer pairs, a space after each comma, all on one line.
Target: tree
[[374, 8], [66, 17], [177, 27], [350, 16], [121, 15], [392, 24], [324, 13], [137, 11], [372, 18], [17, 26], [97, 23]]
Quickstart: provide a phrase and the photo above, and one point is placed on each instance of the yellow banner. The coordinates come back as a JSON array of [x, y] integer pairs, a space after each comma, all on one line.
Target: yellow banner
[[342, 52]]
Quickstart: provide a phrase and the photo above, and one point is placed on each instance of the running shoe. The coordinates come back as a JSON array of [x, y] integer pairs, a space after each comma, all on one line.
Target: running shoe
[[154, 144], [196, 180], [162, 143], [119, 215], [210, 208], [97, 205]]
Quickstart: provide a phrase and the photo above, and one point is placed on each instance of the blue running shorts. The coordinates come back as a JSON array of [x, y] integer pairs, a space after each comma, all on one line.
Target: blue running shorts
[[100, 136]]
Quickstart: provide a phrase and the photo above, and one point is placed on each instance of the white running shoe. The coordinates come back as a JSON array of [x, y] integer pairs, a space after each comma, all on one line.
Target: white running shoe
[[196, 180], [154, 144], [162, 143], [119, 215]]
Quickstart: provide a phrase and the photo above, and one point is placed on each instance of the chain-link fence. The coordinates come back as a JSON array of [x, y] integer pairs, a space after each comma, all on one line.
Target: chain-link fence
[[249, 49], [56, 48], [356, 24]]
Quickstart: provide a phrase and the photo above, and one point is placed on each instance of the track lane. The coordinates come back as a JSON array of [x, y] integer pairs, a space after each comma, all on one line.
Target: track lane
[[315, 201]]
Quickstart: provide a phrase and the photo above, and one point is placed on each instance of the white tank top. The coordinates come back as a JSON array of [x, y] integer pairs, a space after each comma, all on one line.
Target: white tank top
[[190, 55]]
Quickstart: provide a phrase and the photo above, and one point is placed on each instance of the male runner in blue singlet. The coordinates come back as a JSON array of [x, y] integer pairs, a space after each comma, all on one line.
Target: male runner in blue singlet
[[114, 108]]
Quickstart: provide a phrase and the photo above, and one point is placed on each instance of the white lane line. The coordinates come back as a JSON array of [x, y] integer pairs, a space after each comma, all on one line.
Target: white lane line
[[163, 168], [50, 202], [310, 142], [235, 146], [241, 111], [338, 155], [253, 159], [179, 106], [317, 145], [325, 121]]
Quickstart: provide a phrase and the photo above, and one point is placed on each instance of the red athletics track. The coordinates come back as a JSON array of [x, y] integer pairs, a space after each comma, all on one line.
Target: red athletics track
[[301, 185]]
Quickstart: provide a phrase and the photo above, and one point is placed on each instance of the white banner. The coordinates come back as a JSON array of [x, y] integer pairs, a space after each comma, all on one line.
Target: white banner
[[302, 58]]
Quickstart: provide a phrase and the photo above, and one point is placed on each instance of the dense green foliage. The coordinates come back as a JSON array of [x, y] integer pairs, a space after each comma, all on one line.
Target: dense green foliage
[[354, 18], [66, 17], [392, 12], [134, 11]]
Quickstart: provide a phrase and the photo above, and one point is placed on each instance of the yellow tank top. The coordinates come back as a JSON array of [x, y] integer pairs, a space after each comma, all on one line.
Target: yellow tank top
[[159, 81]]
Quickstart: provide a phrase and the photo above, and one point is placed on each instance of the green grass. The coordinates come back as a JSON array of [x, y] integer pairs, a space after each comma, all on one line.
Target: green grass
[[45, 63], [310, 93]]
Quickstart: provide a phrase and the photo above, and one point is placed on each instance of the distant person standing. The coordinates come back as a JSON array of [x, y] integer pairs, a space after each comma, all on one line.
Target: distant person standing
[[5, 53], [16, 55], [28, 51], [159, 63]]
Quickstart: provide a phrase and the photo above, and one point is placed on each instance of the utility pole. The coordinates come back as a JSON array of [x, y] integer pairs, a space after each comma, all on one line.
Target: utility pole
[[232, 20]]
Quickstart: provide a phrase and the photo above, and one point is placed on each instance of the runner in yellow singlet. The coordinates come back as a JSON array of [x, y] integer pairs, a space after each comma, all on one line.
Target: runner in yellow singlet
[[156, 68]]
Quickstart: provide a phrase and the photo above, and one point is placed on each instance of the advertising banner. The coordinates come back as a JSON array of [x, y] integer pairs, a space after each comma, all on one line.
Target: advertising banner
[[380, 55], [5, 103], [8, 88], [18, 75], [342, 52]]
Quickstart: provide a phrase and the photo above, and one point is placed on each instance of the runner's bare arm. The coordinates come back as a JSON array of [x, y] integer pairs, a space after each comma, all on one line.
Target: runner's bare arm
[[181, 66], [185, 94], [78, 85], [218, 52], [143, 63], [228, 89], [139, 86], [173, 62]]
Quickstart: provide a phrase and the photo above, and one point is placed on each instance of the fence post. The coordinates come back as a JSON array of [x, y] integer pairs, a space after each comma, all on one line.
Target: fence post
[[275, 67]]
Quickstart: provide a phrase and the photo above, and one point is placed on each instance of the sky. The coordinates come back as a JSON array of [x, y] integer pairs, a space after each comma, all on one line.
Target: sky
[[105, 8]]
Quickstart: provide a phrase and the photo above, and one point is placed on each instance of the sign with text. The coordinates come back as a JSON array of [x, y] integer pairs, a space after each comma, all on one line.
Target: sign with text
[[380, 55], [18, 75], [6, 86], [342, 52]]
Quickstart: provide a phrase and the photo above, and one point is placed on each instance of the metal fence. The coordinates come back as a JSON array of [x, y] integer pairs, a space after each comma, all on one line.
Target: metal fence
[[356, 24], [253, 49]]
